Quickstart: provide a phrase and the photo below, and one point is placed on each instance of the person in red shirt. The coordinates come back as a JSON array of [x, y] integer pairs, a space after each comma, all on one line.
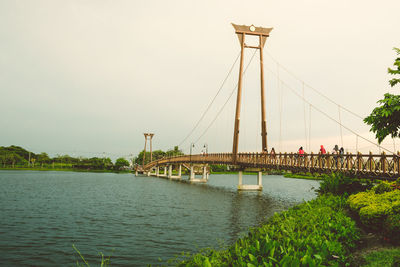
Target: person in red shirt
[[301, 155], [322, 151]]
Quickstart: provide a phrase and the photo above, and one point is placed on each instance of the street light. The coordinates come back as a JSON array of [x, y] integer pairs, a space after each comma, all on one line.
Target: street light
[[191, 146], [206, 148]]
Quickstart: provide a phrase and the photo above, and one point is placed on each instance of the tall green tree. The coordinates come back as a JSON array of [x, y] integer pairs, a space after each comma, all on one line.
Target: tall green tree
[[121, 162], [385, 119]]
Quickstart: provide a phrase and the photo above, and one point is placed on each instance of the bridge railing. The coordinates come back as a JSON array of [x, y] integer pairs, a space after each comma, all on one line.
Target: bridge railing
[[368, 165]]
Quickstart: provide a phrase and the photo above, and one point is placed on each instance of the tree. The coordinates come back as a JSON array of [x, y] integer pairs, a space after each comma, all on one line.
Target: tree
[[121, 162], [385, 119], [157, 154], [395, 81], [43, 158], [175, 152]]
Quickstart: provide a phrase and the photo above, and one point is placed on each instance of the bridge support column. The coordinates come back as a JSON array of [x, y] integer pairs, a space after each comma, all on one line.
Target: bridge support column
[[180, 171], [165, 171], [148, 173], [157, 171], [259, 179], [250, 187], [205, 173], [240, 175], [169, 171], [191, 173]]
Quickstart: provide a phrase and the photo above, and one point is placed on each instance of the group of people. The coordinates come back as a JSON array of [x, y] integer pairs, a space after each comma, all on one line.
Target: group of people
[[335, 151]]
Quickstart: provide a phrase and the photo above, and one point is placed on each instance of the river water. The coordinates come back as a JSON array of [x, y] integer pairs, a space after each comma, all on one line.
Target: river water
[[136, 219]]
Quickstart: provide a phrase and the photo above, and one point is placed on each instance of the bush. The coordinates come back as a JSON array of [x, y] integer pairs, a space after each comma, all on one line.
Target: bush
[[383, 187], [311, 234], [378, 212], [340, 184]]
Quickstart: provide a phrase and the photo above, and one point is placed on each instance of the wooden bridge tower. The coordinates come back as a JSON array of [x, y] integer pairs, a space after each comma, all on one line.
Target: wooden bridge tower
[[150, 137], [262, 33]]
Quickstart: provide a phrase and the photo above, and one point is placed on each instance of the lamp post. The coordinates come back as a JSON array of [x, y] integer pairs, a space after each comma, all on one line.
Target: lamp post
[[191, 146], [206, 148]]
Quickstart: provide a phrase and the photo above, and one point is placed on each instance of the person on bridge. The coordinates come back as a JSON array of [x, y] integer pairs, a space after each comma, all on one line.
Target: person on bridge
[[301, 152], [272, 153], [335, 153], [341, 154], [322, 150]]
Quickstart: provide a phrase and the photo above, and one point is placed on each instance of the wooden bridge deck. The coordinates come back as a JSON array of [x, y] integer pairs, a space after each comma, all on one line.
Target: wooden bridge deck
[[359, 165]]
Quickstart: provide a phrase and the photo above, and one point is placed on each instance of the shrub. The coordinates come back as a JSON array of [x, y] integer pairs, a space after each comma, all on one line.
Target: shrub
[[339, 184], [378, 212], [383, 187], [311, 234]]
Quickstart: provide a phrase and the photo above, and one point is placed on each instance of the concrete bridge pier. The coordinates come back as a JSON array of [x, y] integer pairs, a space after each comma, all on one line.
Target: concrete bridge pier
[[165, 171], [170, 171], [205, 173], [250, 187], [180, 171], [136, 173], [157, 171], [259, 180], [191, 177]]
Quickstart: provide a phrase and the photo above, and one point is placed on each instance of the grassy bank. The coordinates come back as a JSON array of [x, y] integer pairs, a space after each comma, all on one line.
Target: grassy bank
[[303, 176], [311, 234], [321, 232]]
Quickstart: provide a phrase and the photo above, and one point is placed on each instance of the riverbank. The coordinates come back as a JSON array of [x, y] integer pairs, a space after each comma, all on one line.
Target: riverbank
[[324, 231]]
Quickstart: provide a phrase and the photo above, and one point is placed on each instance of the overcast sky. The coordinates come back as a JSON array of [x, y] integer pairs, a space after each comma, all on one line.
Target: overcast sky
[[87, 77]]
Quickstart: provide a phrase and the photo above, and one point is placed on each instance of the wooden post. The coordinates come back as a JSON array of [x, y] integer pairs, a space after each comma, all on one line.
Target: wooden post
[[238, 101], [263, 119], [359, 162], [383, 158], [370, 159], [398, 163]]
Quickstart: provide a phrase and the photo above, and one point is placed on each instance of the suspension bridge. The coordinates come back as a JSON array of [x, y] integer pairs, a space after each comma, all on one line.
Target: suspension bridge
[[368, 165]]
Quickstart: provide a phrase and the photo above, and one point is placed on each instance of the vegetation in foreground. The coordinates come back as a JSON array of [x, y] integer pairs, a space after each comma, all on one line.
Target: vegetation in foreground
[[379, 258], [312, 234], [379, 209]]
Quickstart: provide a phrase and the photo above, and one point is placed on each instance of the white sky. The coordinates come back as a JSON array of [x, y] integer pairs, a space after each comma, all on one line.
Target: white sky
[[87, 77]]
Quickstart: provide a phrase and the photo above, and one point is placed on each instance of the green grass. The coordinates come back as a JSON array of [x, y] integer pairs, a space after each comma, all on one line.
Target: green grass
[[303, 176], [381, 258]]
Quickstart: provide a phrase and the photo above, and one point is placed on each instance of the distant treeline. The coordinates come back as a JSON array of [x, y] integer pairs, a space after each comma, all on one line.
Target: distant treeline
[[18, 157]]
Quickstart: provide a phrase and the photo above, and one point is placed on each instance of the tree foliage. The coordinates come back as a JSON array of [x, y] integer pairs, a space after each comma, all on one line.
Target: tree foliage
[[395, 71], [385, 119], [121, 162]]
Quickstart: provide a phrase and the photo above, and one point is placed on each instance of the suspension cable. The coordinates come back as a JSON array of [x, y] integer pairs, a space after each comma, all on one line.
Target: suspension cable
[[226, 102], [340, 126], [212, 101], [279, 107], [309, 86], [309, 127], [350, 130], [305, 123]]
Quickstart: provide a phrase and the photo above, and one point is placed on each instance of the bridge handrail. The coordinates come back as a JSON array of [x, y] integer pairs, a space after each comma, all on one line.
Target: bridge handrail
[[372, 165]]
